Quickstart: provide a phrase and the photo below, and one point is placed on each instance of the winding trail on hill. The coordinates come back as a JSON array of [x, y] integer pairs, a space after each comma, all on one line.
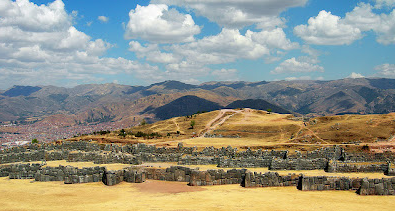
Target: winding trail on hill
[[303, 127], [316, 135], [218, 120], [175, 122]]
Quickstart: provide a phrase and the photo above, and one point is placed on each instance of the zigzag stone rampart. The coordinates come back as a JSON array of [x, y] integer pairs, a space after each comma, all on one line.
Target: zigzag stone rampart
[[331, 159]]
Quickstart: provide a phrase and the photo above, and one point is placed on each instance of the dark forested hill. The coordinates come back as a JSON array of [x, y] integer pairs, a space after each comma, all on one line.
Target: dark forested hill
[[257, 104], [183, 106]]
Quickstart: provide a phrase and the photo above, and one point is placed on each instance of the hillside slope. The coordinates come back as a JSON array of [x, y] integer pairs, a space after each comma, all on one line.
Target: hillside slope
[[255, 128]]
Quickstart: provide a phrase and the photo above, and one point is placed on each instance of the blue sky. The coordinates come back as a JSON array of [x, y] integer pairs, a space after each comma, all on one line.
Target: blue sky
[[69, 42]]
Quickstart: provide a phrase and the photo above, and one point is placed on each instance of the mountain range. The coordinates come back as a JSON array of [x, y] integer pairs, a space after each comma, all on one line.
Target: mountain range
[[95, 103]]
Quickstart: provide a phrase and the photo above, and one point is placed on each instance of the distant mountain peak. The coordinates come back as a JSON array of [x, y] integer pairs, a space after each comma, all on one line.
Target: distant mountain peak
[[16, 91], [172, 85]]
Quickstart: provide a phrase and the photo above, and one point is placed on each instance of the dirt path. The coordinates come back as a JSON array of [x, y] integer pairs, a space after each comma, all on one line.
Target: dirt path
[[178, 126], [221, 118], [317, 135], [303, 127]]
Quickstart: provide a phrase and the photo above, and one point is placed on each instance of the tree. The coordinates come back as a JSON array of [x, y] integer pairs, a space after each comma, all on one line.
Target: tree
[[34, 141], [193, 124], [269, 110]]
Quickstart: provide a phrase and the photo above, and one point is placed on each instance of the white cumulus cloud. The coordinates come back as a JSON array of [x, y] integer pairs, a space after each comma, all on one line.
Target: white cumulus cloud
[[152, 53], [329, 29], [225, 74], [385, 3], [30, 17], [227, 46], [355, 75], [40, 45], [300, 65], [103, 19], [159, 24], [301, 78], [238, 13], [192, 58], [386, 70]]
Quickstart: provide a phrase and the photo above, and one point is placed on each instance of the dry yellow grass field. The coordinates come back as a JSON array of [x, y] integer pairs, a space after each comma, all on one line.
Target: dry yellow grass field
[[23, 195], [258, 129]]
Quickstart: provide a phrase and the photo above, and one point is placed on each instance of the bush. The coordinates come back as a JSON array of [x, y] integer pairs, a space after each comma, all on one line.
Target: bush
[[193, 123], [146, 135], [34, 141], [122, 133]]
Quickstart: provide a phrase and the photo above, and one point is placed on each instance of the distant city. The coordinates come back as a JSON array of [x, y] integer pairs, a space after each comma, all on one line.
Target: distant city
[[24, 134]]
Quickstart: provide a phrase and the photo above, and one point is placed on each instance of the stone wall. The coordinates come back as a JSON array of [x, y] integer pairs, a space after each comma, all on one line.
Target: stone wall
[[158, 157], [19, 171], [69, 174], [269, 179], [320, 183], [385, 186], [298, 164], [198, 160], [56, 155], [111, 178], [103, 158], [72, 175], [217, 177], [134, 175], [173, 173], [329, 153], [194, 177], [336, 166], [369, 157], [130, 174], [222, 157], [391, 170], [22, 156], [246, 162]]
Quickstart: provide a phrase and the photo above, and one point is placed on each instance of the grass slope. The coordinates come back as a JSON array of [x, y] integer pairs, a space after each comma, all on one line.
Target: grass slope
[[258, 129]]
